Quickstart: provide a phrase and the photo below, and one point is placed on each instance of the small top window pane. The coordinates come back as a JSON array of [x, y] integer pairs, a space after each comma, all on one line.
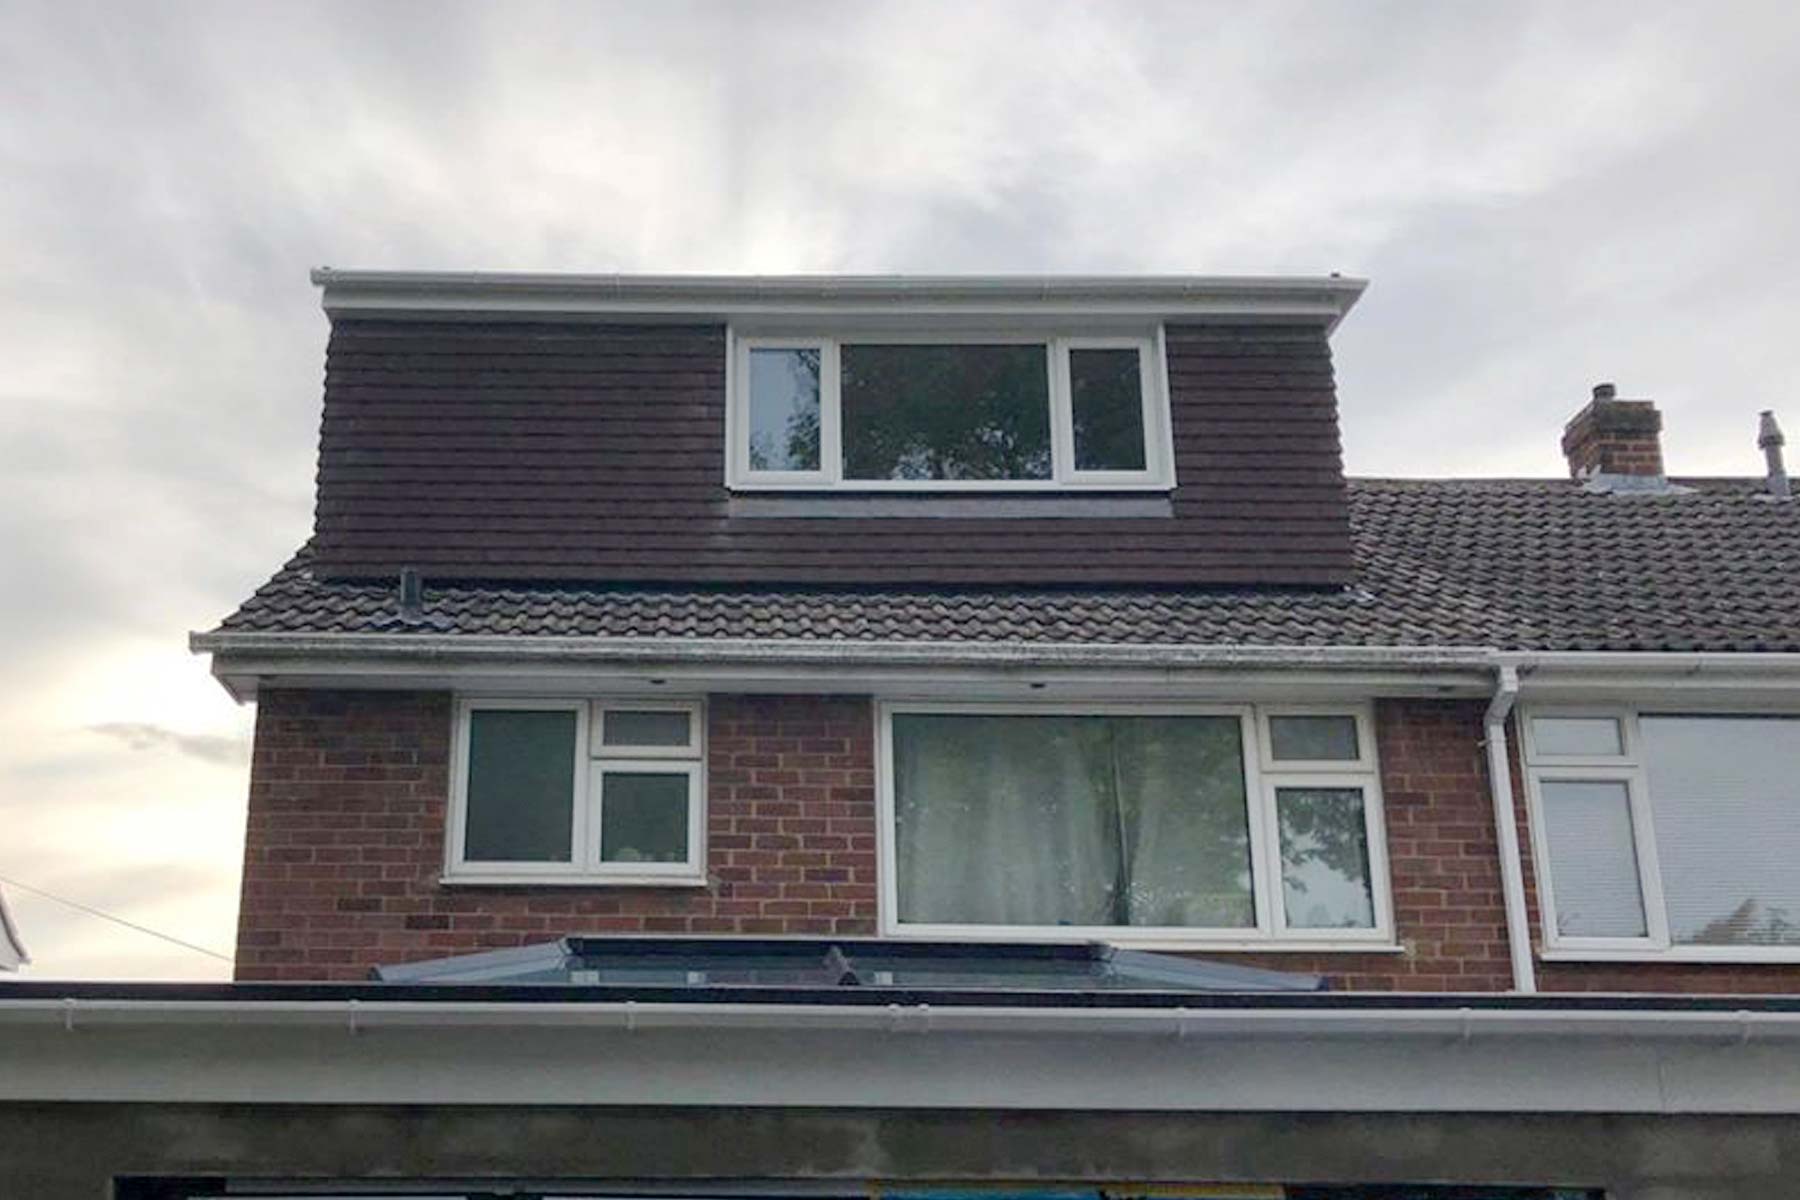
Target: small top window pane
[[946, 412], [1313, 738], [1107, 404], [1570, 736], [784, 410], [648, 727]]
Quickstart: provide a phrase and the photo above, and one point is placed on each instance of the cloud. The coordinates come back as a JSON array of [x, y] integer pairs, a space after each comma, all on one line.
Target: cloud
[[142, 735]]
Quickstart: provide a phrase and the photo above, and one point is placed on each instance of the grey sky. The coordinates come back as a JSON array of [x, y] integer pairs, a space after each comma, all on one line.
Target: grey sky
[[1544, 195]]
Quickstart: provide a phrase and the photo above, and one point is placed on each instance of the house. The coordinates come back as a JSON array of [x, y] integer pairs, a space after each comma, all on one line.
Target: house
[[922, 736]]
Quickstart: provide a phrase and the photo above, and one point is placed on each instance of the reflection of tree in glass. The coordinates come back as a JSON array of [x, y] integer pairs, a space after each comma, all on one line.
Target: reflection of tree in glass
[[946, 412], [1322, 828], [801, 428], [1107, 408], [1749, 924], [1179, 788]]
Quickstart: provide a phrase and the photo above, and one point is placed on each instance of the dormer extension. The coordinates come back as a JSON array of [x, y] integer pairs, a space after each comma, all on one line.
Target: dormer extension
[[832, 430]]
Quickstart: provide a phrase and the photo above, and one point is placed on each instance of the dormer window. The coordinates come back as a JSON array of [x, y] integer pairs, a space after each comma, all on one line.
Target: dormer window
[[884, 412]]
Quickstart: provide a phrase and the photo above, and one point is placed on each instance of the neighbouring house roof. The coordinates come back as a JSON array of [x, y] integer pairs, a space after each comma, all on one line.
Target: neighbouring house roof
[[1509, 564], [12, 948], [819, 969]]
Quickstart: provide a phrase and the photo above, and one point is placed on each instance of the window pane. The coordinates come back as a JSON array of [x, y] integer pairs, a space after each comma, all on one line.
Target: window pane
[[1593, 860], [1312, 739], [1725, 795], [1577, 735], [1326, 882], [625, 727], [946, 412], [643, 817], [784, 410], [1107, 402], [521, 786], [1027, 820]]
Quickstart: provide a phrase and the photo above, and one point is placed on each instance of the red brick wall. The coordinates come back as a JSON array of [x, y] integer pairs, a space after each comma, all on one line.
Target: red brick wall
[[345, 845]]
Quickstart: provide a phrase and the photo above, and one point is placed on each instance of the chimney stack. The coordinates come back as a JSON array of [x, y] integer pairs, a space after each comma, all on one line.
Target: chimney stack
[[1769, 439], [1613, 437]]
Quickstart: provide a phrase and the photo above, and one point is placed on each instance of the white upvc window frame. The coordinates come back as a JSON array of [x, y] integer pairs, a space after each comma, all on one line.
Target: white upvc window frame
[[1628, 768], [1158, 473], [592, 763], [1368, 782], [1267, 933], [1363, 763]]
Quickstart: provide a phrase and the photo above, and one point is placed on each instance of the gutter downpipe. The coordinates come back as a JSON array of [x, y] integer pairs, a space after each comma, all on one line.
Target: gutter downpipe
[[1506, 827]]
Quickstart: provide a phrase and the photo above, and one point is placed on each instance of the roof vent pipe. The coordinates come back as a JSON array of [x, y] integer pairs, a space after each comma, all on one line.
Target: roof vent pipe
[[1769, 438], [412, 595]]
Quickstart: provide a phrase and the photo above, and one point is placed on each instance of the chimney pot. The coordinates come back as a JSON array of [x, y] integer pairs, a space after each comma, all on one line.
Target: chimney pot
[[1614, 437]]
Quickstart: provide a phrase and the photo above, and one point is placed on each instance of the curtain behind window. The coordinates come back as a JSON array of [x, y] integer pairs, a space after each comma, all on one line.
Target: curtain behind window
[[1054, 820]]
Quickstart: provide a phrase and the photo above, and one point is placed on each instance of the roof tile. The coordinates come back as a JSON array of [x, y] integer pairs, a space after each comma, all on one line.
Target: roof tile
[[1512, 564]]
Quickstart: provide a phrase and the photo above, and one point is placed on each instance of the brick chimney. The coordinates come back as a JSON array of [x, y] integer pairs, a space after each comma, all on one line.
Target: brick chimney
[[1614, 437]]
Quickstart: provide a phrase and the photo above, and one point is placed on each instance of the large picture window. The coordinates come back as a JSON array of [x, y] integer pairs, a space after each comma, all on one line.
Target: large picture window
[[1667, 834], [966, 412], [577, 791], [1132, 824]]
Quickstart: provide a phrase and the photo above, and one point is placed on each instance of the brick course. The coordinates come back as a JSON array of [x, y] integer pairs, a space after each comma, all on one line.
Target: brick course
[[345, 849]]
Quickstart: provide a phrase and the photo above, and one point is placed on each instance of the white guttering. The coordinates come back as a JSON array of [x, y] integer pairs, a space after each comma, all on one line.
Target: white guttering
[[1325, 299], [796, 651], [1531, 667], [1506, 829], [1342, 1058], [1637, 1024]]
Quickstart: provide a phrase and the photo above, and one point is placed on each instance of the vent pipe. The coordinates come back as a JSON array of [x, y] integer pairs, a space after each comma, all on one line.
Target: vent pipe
[[412, 595], [1769, 438]]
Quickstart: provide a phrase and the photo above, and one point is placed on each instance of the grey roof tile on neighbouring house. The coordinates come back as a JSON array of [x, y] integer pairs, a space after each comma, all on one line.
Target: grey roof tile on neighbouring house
[[1512, 564]]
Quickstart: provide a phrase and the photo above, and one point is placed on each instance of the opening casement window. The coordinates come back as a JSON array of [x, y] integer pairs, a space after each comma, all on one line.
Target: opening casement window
[[1666, 834], [1187, 826], [921, 413], [577, 791]]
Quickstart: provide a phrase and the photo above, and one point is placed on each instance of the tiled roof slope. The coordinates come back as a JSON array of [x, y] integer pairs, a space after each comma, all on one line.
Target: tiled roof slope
[[1511, 564]]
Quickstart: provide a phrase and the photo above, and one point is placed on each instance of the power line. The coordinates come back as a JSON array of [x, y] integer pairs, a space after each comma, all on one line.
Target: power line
[[106, 916]]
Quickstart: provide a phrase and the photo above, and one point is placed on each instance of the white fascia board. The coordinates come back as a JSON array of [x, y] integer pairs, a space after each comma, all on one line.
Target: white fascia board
[[488, 295], [1702, 678], [913, 669], [834, 653], [1345, 1060]]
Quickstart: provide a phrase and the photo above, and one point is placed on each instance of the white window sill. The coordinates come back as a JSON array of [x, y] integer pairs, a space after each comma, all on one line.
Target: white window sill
[[950, 487], [451, 879], [1742, 955], [1162, 941]]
